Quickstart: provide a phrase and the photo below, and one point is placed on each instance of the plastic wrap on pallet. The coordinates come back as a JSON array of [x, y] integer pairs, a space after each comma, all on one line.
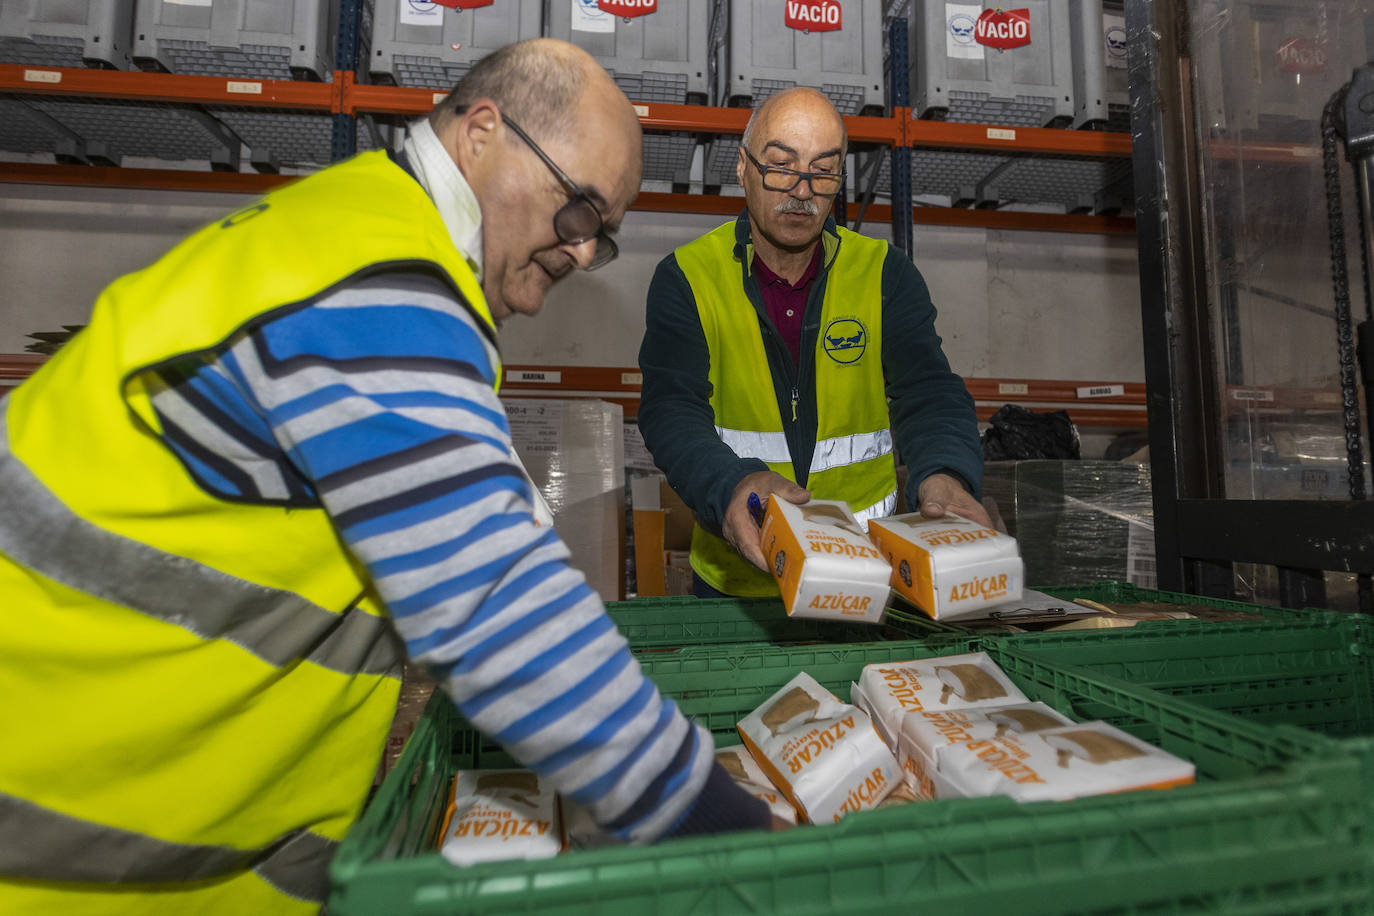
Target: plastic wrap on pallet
[[1077, 521], [574, 452]]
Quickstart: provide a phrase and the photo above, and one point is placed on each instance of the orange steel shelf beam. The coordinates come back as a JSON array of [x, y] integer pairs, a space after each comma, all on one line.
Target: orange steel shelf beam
[[167, 87], [992, 138], [143, 179]]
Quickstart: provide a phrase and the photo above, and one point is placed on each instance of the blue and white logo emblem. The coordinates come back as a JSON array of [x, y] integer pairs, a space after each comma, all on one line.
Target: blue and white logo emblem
[[961, 27], [1116, 42], [845, 340]]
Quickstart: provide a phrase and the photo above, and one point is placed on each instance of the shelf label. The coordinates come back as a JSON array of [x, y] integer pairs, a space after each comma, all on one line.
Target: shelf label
[[1102, 391], [641, 111], [632, 378], [542, 376], [1013, 388], [438, 97], [1001, 133], [42, 76], [1251, 394], [244, 87]]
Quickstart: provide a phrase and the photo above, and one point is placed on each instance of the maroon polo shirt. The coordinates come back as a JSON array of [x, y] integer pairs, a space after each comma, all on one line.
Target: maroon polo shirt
[[786, 302]]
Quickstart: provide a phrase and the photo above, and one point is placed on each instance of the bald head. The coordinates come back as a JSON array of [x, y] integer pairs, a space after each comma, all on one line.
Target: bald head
[[540, 83], [802, 104]]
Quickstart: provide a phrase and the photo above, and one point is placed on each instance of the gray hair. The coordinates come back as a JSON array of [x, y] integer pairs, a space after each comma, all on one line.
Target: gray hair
[[529, 81]]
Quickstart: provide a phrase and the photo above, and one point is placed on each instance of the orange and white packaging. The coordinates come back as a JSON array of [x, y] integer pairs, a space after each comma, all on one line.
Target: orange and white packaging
[[1074, 761], [889, 691], [924, 733], [823, 754], [825, 565], [495, 815], [949, 567], [749, 776]]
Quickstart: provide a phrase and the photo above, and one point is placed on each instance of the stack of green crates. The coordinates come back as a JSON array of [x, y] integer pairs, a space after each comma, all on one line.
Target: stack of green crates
[[1275, 823]]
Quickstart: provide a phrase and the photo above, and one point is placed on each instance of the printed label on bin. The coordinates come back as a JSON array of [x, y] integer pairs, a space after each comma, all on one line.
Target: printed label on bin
[[890, 691], [419, 12], [949, 567], [825, 566], [628, 9], [1114, 38], [1075, 761], [961, 19], [813, 15], [749, 776], [500, 814], [824, 754]]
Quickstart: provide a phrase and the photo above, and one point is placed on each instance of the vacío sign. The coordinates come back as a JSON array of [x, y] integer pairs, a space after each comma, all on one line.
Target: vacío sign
[[813, 15], [1003, 29]]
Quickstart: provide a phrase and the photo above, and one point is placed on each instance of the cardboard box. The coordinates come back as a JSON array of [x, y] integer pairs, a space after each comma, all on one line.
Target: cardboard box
[[826, 567], [949, 567], [662, 539]]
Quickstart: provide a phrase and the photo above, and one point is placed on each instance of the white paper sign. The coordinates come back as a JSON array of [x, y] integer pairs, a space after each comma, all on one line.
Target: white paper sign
[[190, 2], [960, 20], [420, 12], [1114, 35], [1102, 391], [588, 17]]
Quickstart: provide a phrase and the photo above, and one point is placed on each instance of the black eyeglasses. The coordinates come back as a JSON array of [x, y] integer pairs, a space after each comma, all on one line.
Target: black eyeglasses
[[578, 221], [777, 178]]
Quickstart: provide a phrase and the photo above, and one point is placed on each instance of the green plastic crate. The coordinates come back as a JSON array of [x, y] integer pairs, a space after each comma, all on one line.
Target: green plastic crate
[[1269, 828], [660, 624]]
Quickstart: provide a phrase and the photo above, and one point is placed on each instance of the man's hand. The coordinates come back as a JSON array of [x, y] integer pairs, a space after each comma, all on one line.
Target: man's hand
[[739, 528], [941, 494]]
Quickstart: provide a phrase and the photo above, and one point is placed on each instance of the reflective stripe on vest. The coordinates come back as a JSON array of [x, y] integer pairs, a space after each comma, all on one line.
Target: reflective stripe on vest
[[225, 708], [40, 844], [881, 509], [39, 531], [852, 458], [836, 452]]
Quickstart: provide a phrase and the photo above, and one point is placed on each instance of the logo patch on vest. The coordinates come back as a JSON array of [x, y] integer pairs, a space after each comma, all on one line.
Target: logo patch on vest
[[845, 340]]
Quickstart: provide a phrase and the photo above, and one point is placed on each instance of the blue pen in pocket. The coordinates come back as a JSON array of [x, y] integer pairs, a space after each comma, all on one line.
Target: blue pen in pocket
[[756, 509]]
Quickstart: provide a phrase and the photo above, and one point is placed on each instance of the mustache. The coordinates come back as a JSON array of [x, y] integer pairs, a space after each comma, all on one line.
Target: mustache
[[793, 205]]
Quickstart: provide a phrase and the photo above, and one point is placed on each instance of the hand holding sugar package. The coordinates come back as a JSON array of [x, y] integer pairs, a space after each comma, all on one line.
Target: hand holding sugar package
[[925, 732], [1074, 761], [823, 753], [495, 815], [749, 776], [949, 567], [825, 566], [889, 691]]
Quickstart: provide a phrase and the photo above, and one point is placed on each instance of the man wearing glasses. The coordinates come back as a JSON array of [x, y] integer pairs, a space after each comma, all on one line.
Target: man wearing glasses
[[268, 454], [773, 346]]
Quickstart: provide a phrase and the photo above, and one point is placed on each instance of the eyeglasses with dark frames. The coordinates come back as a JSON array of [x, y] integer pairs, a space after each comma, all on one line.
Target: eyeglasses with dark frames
[[579, 220], [778, 178]]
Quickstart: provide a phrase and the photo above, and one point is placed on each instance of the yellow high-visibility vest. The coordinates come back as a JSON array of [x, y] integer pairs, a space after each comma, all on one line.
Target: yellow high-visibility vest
[[195, 691], [853, 456]]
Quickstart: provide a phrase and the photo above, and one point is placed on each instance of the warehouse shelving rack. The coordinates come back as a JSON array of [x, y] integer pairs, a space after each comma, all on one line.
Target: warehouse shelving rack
[[345, 98]]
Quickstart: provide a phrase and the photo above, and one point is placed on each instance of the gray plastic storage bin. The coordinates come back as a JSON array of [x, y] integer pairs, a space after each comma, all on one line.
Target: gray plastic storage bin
[[67, 33], [251, 39], [112, 130], [945, 173], [763, 55], [1274, 73], [27, 130], [1078, 185], [659, 57], [956, 77], [263, 39], [1100, 85], [433, 47]]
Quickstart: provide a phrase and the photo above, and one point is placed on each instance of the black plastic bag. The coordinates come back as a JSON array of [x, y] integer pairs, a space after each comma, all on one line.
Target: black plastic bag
[[1017, 434]]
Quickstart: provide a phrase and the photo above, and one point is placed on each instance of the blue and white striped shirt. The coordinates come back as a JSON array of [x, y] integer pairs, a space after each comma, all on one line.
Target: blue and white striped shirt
[[377, 403]]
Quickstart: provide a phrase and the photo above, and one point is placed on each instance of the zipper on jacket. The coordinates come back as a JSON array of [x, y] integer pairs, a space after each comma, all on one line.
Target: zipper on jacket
[[796, 395]]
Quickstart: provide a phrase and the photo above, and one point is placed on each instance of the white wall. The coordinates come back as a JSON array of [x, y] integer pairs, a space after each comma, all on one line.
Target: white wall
[[1012, 304]]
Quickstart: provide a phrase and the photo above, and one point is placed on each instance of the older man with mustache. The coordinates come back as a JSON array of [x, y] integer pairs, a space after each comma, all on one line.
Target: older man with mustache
[[785, 356]]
